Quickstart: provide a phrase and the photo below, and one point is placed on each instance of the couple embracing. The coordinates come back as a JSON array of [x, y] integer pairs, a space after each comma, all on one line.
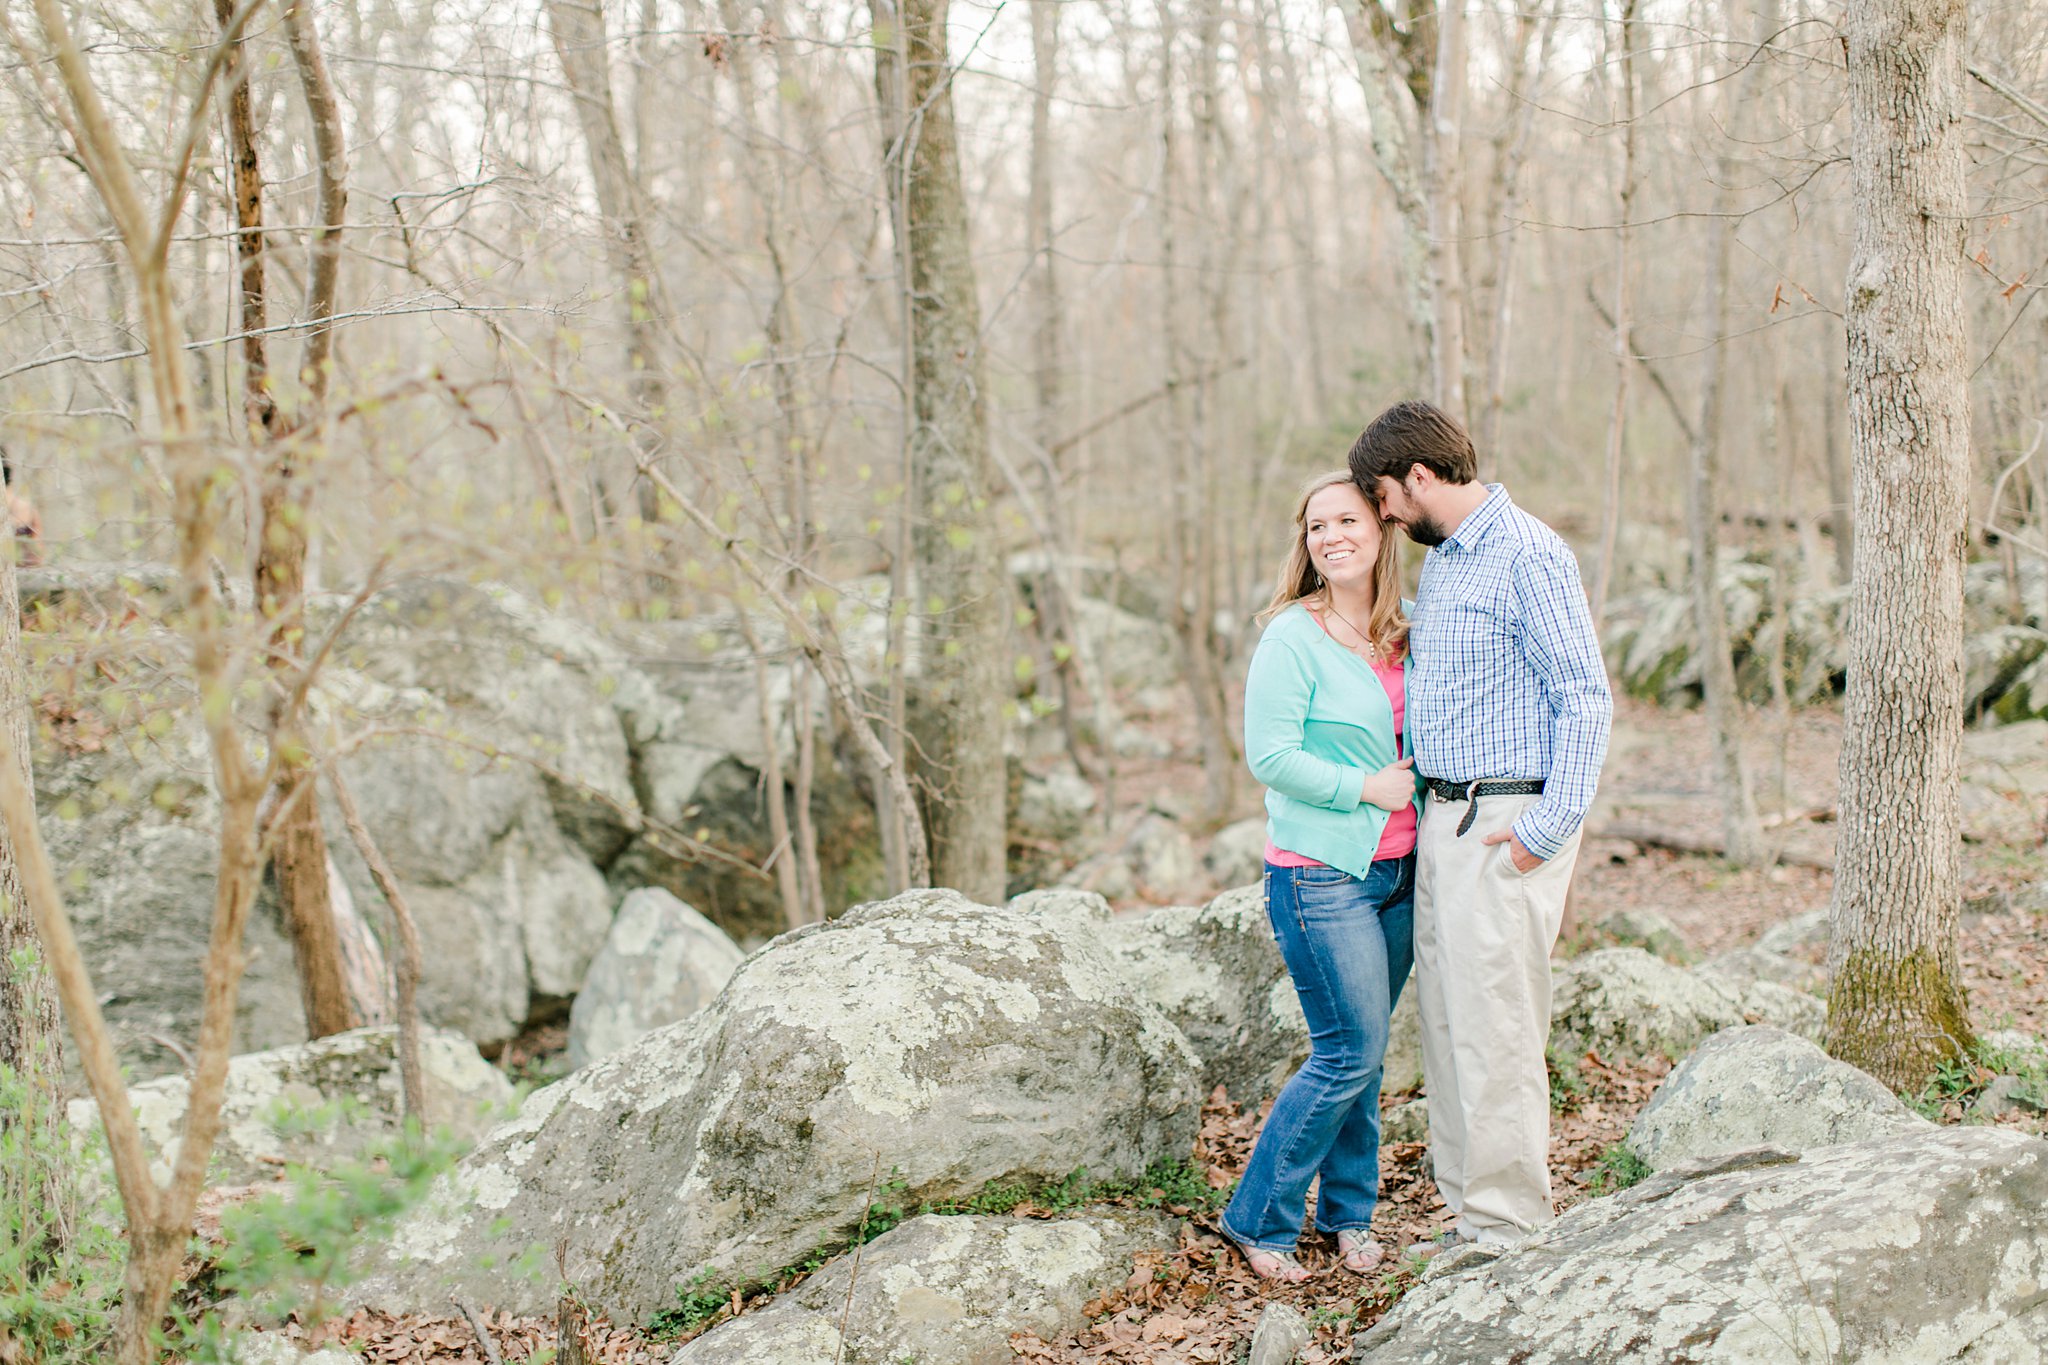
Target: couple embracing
[[1427, 773]]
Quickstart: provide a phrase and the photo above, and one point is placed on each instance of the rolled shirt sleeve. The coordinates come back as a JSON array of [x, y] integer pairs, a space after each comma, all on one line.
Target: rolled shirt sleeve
[[1561, 647], [1276, 701]]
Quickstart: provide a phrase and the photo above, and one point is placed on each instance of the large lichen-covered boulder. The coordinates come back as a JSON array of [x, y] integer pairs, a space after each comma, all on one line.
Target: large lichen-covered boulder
[[319, 1103], [1761, 1087], [1923, 1246], [925, 1041], [1625, 1003], [938, 1288], [1218, 975], [661, 962], [132, 827]]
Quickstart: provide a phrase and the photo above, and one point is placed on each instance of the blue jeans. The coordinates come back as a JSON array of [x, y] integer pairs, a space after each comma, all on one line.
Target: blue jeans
[[1348, 945]]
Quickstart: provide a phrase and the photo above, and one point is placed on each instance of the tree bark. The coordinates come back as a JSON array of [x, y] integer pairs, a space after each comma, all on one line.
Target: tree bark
[[29, 1037], [1725, 722], [1895, 1004], [1624, 322], [299, 857], [578, 32], [956, 715]]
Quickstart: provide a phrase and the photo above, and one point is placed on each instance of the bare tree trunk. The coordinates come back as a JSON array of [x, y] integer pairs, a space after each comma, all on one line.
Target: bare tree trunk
[[1441, 173], [1741, 833], [407, 935], [1624, 321], [300, 855], [957, 717], [29, 1038], [1393, 63], [1512, 155], [578, 31], [1895, 1003]]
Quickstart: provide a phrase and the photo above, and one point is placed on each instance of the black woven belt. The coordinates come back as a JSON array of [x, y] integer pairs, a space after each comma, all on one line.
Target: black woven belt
[[1485, 786]]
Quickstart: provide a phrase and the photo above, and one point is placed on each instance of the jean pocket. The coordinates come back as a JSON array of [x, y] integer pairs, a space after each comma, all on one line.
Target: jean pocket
[[1321, 876]]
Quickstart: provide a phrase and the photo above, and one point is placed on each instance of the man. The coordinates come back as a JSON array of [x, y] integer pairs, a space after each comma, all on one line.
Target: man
[[1508, 712]]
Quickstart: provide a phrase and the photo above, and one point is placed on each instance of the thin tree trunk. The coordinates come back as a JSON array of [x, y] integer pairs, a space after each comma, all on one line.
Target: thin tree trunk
[[963, 680], [1741, 835], [1624, 321], [405, 932], [1896, 1005], [578, 31], [300, 852], [1442, 173], [29, 1037], [1514, 154]]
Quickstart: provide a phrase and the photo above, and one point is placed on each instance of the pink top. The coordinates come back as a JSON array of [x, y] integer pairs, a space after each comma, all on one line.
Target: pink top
[[1398, 839]]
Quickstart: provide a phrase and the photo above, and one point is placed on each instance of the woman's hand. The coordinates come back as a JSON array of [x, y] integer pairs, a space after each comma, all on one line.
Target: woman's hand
[[1392, 788]]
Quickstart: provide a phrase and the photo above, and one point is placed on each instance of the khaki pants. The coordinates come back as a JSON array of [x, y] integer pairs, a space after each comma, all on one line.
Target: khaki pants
[[1483, 934]]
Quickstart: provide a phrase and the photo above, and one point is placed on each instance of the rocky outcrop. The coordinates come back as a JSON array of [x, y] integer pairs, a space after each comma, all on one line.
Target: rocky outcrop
[[925, 1041], [947, 1289], [319, 1103], [1624, 1003], [662, 962], [1649, 930], [1928, 1245], [1217, 974], [1761, 1087]]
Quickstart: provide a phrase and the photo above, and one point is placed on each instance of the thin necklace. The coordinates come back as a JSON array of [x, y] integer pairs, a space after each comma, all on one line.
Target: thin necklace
[[1372, 651]]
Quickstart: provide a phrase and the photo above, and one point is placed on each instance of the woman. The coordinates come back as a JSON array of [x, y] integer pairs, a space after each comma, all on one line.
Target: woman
[[1322, 729]]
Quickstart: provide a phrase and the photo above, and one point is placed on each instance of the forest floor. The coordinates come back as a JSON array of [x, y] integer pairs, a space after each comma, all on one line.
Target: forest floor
[[1199, 1303]]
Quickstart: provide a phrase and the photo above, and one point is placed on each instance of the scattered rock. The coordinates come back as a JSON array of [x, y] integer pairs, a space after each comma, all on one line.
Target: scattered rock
[[1801, 933], [318, 1103], [1237, 853], [1624, 1003], [1925, 1245], [263, 1348], [2010, 1095], [939, 1288], [1054, 808], [1993, 661], [661, 962], [925, 1041], [1280, 1335], [1402, 1070], [1649, 930], [1754, 1087], [1217, 974], [1744, 967], [1406, 1122], [1084, 908], [1162, 857]]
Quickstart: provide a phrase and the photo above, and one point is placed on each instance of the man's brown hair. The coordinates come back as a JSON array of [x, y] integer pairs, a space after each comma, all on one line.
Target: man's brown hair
[[1408, 434]]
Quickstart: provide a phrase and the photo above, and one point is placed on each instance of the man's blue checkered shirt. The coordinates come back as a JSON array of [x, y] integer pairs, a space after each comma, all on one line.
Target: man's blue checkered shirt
[[1506, 679]]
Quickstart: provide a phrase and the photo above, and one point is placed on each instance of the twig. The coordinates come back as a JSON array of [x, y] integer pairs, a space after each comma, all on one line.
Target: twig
[[853, 1272], [483, 1335], [408, 951], [172, 1046]]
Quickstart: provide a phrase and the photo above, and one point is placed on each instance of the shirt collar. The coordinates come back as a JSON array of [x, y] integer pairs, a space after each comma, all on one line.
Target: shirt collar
[[1481, 519]]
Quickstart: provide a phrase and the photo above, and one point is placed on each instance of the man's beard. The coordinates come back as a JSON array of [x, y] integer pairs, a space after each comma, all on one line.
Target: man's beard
[[1425, 530]]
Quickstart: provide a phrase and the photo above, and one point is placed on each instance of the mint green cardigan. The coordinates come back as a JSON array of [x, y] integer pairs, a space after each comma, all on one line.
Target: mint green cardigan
[[1317, 723]]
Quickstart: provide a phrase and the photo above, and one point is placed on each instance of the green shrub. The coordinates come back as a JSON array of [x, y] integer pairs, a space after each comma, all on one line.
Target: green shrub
[[1618, 1168], [289, 1252], [60, 1258]]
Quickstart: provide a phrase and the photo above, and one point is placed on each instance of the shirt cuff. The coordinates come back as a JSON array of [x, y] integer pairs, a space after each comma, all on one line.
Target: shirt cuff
[[1350, 792], [1536, 839]]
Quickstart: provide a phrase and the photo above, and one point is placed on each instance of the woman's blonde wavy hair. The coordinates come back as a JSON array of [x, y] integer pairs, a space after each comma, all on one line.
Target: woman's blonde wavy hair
[[1385, 625]]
